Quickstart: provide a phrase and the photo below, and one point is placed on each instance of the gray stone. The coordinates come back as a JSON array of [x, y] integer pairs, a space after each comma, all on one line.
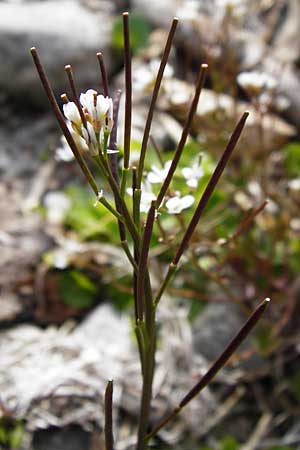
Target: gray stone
[[214, 329], [69, 438], [290, 88], [64, 32]]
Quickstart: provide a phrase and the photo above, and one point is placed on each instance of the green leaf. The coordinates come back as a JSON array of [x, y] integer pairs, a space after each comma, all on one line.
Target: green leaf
[[291, 154], [295, 386], [88, 220], [76, 289], [16, 436], [282, 447], [229, 443], [264, 339], [3, 435], [139, 29]]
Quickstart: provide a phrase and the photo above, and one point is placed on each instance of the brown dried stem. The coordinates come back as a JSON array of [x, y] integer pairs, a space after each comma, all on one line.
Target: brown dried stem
[[108, 423], [246, 222], [128, 90], [154, 98], [69, 73], [202, 203], [210, 187], [184, 135], [103, 74]]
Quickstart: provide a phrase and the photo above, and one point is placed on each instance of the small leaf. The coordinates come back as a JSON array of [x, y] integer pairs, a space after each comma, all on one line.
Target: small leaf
[[76, 289], [229, 443], [292, 159], [16, 436], [139, 32]]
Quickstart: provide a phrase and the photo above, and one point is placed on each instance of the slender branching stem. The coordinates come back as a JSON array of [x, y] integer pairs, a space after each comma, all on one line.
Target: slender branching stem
[[136, 250], [110, 208], [148, 369], [185, 132], [203, 201], [143, 262], [154, 99], [61, 120], [129, 256], [113, 159], [70, 75], [103, 73], [108, 420], [217, 365], [141, 345], [246, 222], [157, 150], [128, 100], [211, 186], [170, 273]]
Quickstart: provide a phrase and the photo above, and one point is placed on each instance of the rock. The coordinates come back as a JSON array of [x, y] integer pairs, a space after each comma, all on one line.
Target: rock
[[290, 88], [23, 236], [158, 12], [68, 438], [214, 329], [64, 32], [70, 369]]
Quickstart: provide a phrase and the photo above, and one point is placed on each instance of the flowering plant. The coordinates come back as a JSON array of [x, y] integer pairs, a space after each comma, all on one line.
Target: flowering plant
[[89, 124]]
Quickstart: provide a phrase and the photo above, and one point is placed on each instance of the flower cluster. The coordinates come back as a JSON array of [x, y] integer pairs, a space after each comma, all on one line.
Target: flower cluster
[[92, 125]]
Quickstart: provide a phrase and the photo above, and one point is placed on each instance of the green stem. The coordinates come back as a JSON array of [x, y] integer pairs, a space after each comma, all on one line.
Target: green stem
[[148, 372], [124, 180], [110, 208], [129, 255]]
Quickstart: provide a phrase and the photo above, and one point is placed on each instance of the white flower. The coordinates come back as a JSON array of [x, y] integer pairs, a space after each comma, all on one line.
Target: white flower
[[57, 204], [89, 104], [193, 174], [256, 82], [72, 114], [294, 184], [105, 112], [177, 204], [98, 111], [158, 175], [90, 138]]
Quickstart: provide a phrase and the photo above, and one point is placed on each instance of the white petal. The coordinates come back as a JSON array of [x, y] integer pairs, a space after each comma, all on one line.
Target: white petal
[[154, 178], [176, 204], [71, 112], [187, 172], [192, 182], [187, 201]]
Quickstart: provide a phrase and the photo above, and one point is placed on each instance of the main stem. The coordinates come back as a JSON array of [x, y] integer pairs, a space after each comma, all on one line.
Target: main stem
[[148, 372]]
